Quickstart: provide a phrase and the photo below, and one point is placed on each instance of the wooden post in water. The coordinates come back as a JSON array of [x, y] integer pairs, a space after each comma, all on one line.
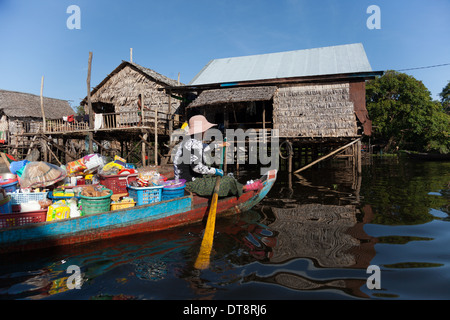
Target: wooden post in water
[[358, 158]]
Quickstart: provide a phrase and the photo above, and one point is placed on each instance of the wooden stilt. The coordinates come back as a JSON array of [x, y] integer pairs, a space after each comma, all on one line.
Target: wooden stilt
[[358, 157]]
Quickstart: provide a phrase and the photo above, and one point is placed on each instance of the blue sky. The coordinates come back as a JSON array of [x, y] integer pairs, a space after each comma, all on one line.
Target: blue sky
[[181, 36]]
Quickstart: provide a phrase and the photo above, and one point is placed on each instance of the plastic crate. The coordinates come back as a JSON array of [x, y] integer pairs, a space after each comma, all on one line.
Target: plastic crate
[[5, 205], [117, 183], [20, 219], [145, 195], [91, 205], [122, 205], [173, 189], [57, 198], [18, 198], [10, 186]]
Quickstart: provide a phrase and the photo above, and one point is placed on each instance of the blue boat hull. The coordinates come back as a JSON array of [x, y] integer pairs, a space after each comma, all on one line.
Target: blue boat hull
[[147, 218]]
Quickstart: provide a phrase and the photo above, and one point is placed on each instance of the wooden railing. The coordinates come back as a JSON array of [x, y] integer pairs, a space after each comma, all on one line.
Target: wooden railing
[[111, 121]]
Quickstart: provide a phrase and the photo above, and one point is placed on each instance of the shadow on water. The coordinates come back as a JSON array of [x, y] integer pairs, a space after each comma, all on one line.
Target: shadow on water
[[312, 237]]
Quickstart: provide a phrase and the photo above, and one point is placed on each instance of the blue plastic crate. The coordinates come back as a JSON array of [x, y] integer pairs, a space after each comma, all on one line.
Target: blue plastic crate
[[172, 193], [145, 195], [18, 198], [10, 187], [5, 205]]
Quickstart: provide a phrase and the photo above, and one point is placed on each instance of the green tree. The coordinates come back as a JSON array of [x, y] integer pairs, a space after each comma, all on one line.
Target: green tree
[[80, 111], [404, 115], [445, 98]]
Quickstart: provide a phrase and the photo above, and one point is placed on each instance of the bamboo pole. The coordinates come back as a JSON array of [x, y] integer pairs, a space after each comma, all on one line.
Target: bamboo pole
[[358, 161], [142, 108], [53, 154], [42, 105], [264, 122], [327, 156], [170, 115], [156, 136], [91, 115], [143, 153]]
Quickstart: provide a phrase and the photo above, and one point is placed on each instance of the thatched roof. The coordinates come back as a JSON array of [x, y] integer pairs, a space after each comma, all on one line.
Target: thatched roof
[[25, 105], [131, 86], [220, 96]]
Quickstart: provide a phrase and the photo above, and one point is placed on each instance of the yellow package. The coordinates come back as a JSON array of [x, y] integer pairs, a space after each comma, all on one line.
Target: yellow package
[[69, 193], [58, 211], [116, 157], [111, 165]]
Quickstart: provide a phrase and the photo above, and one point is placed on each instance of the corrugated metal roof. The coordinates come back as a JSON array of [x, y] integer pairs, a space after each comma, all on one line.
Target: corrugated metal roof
[[341, 59]]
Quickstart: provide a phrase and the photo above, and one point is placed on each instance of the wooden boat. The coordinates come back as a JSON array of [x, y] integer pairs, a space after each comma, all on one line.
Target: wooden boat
[[428, 156], [145, 218]]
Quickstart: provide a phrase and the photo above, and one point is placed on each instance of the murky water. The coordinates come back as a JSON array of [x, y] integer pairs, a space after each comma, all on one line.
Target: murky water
[[313, 237]]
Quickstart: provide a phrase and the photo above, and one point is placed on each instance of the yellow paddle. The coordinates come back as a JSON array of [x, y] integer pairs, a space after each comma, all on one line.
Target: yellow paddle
[[202, 261]]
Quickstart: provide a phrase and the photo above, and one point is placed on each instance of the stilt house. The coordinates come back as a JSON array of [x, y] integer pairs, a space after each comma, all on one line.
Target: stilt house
[[313, 93], [118, 94], [21, 113]]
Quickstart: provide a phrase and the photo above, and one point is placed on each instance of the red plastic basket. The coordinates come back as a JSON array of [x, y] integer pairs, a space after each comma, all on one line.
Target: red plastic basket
[[20, 219], [117, 183]]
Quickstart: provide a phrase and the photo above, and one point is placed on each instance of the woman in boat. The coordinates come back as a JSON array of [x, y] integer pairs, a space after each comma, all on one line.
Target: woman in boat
[[190, 163]]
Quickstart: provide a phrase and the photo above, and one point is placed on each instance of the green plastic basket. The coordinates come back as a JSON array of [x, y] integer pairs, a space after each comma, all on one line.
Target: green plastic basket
[[92, 205]]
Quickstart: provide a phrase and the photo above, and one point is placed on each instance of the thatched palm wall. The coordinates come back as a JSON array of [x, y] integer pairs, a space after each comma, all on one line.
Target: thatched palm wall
[[123, 88], [324, 110]]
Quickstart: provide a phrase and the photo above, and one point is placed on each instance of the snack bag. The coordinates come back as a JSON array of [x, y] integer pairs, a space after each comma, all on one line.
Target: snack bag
[[58, 211], [76, 166], [120, 161], [94, 161]]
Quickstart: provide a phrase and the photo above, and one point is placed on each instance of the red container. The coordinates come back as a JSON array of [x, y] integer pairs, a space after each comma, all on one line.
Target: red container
[[117, 183], [20, 219]]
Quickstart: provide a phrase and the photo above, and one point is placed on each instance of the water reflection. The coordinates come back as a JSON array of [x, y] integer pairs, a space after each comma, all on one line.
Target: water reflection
[[316, 231], [313, 236], [329, 236]]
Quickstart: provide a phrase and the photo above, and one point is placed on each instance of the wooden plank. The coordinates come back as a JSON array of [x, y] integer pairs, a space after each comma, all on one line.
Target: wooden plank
[[327, 156]]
